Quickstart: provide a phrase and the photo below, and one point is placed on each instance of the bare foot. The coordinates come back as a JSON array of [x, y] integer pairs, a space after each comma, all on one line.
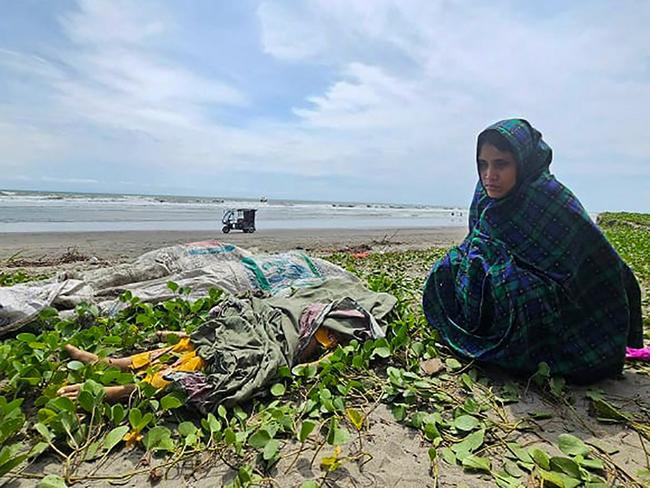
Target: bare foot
[[163, 334], [113, 393]]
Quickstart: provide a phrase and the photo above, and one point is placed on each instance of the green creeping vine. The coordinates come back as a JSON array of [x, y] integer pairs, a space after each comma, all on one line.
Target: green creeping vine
[[322, 412]]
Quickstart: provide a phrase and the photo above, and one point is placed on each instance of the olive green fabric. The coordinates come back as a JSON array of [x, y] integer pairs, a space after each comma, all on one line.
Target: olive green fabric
[[251, 338]]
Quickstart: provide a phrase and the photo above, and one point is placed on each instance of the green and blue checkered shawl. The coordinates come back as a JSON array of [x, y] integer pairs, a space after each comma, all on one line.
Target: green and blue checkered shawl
[[535, 279]]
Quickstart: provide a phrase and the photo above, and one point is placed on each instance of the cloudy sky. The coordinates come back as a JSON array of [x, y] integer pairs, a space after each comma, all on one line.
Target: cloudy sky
[[364, 100]]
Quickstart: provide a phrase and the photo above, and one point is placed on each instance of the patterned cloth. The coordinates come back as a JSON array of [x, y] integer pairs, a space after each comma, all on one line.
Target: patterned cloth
[[185, 360], [248, 339], [535, 279]]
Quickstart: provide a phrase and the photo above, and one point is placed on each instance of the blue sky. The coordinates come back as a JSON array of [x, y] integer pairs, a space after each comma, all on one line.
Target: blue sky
[[366, 100]]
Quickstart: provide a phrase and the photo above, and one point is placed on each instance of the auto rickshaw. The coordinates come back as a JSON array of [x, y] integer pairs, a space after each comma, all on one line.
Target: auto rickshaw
[[240, 218]]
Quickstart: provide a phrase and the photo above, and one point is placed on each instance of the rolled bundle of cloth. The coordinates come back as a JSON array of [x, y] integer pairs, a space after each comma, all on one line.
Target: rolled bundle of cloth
[[535, 280], [197, 266]]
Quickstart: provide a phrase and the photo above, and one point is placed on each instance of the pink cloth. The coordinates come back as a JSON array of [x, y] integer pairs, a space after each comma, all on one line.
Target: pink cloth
[[642, 354]]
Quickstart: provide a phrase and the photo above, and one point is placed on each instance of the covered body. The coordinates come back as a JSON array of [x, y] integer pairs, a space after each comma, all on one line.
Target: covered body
[[250, 339], [535, 280]]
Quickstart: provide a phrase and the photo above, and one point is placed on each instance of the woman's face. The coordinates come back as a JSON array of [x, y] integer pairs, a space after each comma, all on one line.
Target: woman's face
[[498, 170]]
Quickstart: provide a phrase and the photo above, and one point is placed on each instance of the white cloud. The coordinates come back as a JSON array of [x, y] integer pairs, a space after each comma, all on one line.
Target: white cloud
[[102, 22], [29, 65], [76, 181], [461, 65], [365, 99], [409, 85], [285, 36], [23, 143]]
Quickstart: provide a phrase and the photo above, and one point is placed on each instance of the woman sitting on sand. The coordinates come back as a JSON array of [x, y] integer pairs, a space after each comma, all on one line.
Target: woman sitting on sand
[[234, 355], [534, 280]]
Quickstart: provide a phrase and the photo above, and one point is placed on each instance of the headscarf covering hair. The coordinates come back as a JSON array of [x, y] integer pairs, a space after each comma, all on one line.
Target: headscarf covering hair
[[535, 279]]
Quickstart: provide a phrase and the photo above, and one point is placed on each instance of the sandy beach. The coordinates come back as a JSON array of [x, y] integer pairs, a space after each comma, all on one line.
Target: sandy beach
[[120, 246], [396, 455]]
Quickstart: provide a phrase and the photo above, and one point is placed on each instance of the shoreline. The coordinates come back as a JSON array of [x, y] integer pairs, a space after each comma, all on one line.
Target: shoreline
[[117, 246]]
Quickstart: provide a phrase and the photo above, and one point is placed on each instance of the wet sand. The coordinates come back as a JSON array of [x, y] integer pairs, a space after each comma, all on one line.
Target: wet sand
[[124, 245]]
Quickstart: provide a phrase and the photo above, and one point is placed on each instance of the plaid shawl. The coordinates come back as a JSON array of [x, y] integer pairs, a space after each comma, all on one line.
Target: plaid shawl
[[535, 279]]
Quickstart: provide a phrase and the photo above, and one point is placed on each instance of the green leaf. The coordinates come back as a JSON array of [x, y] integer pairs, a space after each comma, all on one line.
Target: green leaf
[[566, 466], [399, 412], [355, 418], [158, 439], [245, 475], [278, 390], [26, 337], [259, 439], [520, 452], [453, 364], [604, 446], [504, 480], [221, 410], [337, 435], [595, 464], [92, 452], [572, 446], [52, 481], [146, 420], [431, 431], [555, 479], [135, 416], [186, 428], [477, 463], [557, 385], [306, 428], [9, 460], [382, 352], [239, 413], [86, 401], [469, 444], [229, 436], [540, 415], [117, 413], [466, 423], [448, 455], [570, 482], [541, 458], [62, 404], [44, 431], [433, 454], [38, 449], [512, 469], [271, 449], [309, 484], [467, 381], [607, 412], [543, 370], [211, 423], [75, 365], [112, 340], [305, 370], [113, 438], [170, 402]]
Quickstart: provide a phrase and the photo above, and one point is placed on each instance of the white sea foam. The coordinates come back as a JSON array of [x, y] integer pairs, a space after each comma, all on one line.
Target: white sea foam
[[33, 211]]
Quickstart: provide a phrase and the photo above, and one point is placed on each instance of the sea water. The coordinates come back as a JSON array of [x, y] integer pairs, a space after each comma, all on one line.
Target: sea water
[[31, 211]]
